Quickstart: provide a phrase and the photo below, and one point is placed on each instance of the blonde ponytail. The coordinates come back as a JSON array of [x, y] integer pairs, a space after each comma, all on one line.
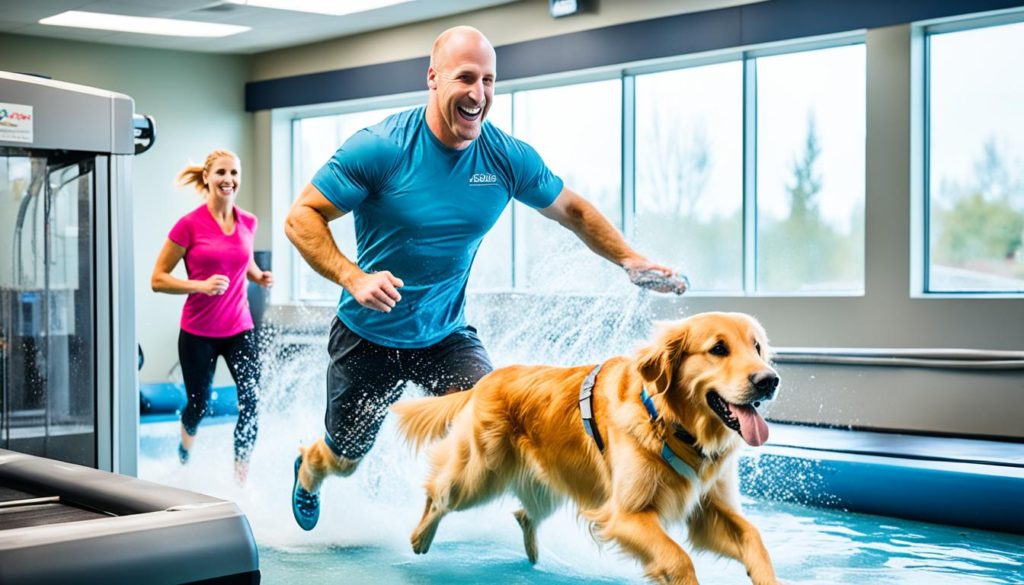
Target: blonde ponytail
[[193, 174]]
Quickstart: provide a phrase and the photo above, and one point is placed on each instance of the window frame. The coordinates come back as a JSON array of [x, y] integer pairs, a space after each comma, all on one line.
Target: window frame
[[920, 229]]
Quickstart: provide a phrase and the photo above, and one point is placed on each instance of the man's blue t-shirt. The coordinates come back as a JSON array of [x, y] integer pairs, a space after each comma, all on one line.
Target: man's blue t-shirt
[[421, 210]]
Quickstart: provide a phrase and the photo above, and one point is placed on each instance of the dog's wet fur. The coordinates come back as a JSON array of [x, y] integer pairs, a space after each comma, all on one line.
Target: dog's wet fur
[[519, 430]]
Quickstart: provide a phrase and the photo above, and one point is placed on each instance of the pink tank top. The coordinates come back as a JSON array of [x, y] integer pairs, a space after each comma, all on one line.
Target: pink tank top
[[208, 251]]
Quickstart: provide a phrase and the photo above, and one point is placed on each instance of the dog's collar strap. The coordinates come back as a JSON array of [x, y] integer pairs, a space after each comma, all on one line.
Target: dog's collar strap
[[683, 435], [674, 461], [648, 404], [587, 407]]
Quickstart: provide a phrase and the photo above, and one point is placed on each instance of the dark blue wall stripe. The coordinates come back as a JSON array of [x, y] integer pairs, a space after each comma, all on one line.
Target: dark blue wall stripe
[[635, 41], [774, 20], [342, 84]]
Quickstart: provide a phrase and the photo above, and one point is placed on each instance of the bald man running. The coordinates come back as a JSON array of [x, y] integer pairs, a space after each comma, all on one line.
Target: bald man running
[[425, 186]]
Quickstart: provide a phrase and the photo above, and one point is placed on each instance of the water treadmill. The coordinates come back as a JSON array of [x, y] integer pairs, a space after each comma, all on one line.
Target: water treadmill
[[70, 510], [64, 523]]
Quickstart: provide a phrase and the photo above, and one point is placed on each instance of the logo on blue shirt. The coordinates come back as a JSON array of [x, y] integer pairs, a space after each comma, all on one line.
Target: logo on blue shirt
[[482, 179]]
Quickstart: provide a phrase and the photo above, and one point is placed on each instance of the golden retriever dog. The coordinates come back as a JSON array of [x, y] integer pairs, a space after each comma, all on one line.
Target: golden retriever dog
[[671, 420]]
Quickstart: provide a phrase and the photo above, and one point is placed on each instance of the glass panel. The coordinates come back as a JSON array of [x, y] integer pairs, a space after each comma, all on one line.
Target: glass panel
[[492, 269], [316, 141], [976, 182], [810, 171], [577, 130], [689, 172], [21, 189], [46, 288]]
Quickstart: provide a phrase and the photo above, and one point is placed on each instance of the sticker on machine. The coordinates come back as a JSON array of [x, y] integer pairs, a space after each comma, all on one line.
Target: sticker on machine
[[15, 123]]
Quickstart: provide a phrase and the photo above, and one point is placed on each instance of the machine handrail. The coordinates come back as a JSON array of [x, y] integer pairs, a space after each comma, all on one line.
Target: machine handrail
[[940, 358]]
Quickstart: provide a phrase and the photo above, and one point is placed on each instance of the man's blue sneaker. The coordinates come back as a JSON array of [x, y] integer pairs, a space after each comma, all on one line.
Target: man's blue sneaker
[[305, 505], [182, 454]]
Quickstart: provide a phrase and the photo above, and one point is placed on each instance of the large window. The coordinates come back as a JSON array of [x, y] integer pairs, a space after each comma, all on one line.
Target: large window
[[746, 174], [810, 171], [689, 172], [577, 130], [976, 161]]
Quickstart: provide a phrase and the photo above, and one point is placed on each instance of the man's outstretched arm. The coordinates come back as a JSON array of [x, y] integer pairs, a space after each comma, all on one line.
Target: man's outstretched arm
[[580, 216]]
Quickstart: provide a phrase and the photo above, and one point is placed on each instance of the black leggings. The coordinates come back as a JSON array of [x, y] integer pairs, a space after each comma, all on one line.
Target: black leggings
[[198, 357]]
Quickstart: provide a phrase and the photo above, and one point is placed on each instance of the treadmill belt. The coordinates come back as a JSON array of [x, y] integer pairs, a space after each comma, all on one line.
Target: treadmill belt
[[41, 514], [10, 494], [19, 509]]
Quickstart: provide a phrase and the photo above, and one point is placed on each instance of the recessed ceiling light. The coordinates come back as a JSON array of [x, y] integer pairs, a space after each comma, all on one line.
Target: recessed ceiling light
[[332, 7], [142, 25]]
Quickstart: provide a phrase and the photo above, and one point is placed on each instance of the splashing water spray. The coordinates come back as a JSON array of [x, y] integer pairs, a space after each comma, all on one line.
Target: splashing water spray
[[379, 505]]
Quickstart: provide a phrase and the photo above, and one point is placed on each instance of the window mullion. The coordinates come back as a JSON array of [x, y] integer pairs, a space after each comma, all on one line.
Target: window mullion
[[749, 175], [514, 212], [628, 155]]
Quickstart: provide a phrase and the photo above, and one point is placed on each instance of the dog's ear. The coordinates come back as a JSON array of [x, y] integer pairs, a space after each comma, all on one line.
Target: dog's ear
[[657, 362], [767, 353]]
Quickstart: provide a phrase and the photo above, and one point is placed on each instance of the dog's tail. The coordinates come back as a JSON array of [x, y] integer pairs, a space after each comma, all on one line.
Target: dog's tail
[[424, 420]]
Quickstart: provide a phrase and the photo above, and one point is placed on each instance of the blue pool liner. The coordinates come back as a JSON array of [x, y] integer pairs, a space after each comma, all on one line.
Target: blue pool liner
[[972, 495]]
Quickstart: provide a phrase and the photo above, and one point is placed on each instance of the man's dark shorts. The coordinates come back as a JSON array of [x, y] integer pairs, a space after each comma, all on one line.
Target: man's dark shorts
[[364, 379]]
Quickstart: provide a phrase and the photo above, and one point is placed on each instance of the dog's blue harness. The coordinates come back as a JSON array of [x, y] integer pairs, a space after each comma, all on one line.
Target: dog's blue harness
[[587, 407], [674, 461]]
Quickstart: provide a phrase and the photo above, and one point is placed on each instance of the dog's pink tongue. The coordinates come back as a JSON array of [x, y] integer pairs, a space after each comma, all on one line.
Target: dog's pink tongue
[[753, 429]]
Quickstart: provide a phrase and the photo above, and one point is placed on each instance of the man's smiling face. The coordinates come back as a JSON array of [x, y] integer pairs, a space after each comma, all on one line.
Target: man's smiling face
[[461, 81]]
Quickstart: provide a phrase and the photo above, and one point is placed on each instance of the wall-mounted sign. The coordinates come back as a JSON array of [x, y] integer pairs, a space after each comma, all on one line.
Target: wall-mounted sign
[[15, 122]]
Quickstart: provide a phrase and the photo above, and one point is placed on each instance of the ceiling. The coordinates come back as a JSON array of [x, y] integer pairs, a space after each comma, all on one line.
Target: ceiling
[[271, 29]]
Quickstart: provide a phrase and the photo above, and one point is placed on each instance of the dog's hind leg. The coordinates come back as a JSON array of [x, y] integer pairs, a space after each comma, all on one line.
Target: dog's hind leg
[[460, 480], [424, 533], [439, 492], [529, 534], [538, 504]]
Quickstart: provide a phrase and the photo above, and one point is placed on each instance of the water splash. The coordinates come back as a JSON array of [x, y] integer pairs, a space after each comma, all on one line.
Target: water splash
[[785, 479]]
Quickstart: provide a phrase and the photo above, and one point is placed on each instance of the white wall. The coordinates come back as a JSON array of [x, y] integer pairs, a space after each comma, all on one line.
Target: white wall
[[198, 103]]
